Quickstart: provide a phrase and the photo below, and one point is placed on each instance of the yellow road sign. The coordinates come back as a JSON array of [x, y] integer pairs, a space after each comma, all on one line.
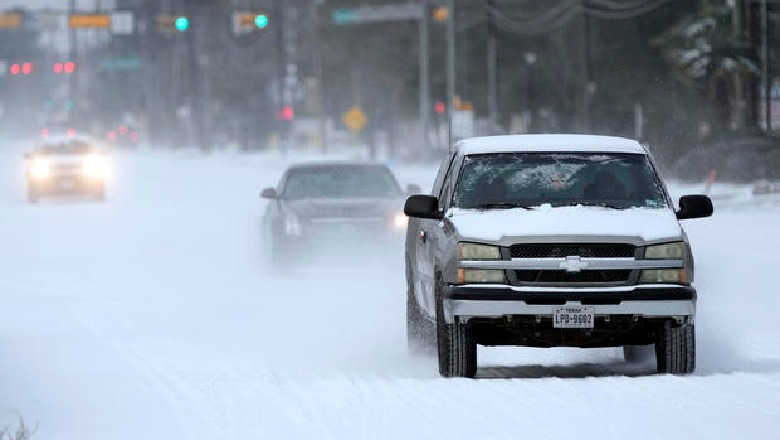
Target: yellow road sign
[[10, 21], [87, 21], [355, 119]]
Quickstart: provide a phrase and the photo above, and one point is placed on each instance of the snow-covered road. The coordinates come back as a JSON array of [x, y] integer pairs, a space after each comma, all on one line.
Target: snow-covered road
[[152, 316]]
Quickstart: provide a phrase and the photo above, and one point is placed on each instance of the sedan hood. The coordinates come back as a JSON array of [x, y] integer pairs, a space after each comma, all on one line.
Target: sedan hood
[[343, 208], [506, 226]]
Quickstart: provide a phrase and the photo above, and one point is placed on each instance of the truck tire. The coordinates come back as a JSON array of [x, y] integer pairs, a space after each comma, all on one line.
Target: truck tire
[[675, 348], [419, 331], [457, 348]]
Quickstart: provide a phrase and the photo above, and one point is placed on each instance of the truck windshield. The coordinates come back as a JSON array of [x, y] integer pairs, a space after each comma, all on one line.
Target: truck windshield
[[528, 180]]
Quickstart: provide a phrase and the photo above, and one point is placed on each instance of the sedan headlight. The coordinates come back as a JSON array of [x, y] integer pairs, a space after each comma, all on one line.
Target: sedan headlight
[[667, 251], [40, 169], [399, 221], [95, 167], [474, 251], [292, 226]]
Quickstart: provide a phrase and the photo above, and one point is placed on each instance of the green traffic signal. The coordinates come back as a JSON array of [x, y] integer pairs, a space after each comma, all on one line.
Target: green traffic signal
[[182, 23], [261, 21]]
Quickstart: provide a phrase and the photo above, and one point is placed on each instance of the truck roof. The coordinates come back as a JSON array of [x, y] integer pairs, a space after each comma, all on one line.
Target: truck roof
[[549, 143]]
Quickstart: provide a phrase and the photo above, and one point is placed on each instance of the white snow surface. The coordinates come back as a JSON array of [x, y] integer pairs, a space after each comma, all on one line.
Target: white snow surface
[[569, 143], [151, 316], [494, 225]]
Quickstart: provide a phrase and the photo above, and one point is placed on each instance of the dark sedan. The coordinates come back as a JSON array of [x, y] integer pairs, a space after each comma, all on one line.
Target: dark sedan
[[320, 207]]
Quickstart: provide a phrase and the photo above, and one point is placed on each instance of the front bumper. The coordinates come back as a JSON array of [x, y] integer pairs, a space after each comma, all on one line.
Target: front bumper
[[472, 301], [65, 184]]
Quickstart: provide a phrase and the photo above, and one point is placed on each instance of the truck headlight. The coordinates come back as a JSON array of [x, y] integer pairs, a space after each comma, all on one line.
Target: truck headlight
[[667, 251], [474, 251], [466, 276], [40, 169], [95, 167], [652, 276]]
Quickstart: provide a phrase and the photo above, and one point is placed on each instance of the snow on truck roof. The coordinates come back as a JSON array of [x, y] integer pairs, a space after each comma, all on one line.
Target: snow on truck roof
[[548, 143]]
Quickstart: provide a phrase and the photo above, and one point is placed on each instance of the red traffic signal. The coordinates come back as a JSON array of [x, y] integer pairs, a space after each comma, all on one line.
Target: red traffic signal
[[287, 113], [439, 108]]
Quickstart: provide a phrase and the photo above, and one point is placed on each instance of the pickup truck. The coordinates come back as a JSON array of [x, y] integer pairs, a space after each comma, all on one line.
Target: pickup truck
[[550, 241]]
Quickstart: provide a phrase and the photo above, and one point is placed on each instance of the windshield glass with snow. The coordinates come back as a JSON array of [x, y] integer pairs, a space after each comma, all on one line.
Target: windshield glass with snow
[[534, 179], [340, 182]]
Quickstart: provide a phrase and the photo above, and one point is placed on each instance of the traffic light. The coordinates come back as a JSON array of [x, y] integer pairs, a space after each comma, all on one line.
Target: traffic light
[[173, 23], [261, 21], [287, 113], [441, 14], [248, 22], [182, 23], [439, 108]]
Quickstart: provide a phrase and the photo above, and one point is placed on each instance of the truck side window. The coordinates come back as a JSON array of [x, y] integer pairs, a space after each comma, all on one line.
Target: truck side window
[[442, 173]]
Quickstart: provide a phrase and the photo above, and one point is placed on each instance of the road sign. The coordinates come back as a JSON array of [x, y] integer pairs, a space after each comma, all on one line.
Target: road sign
[[355, 119], [368, 14], [10, 21], [89, 21]]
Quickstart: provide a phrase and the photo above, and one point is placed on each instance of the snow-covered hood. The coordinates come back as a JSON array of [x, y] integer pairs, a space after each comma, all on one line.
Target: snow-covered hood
[[504, 226], [344, 208]]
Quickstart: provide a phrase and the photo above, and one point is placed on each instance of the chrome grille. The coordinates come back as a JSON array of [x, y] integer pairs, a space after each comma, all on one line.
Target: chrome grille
[[596, 250]]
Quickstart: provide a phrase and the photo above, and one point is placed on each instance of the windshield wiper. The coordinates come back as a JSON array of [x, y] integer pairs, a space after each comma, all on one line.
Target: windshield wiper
[[498, 206], [603, 205]]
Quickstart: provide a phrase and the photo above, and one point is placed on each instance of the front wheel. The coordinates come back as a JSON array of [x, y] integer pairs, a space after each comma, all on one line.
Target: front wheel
[[419, 330], [675, 348], [457, 347]]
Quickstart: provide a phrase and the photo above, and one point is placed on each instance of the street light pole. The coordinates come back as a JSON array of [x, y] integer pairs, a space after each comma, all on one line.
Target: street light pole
[[492, 71], [425, 98], [450, 71]]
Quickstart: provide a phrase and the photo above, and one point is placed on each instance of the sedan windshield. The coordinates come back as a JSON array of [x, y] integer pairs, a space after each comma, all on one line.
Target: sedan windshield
[[341, 182], [509, 180], [65, 147]]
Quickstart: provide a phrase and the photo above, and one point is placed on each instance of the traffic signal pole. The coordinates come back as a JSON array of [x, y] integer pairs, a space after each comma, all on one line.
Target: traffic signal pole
[[425, 97], [450, 71]]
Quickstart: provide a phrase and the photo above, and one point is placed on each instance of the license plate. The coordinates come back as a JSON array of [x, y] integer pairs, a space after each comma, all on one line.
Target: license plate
[[573, 317]]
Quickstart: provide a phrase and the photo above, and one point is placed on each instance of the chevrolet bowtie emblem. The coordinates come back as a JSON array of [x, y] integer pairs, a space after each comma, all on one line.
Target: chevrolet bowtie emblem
[[573, 264]]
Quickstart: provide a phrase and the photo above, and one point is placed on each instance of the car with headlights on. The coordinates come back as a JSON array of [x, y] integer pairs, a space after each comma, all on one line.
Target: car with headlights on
[[65, 165], [322, 206], [551, 241]]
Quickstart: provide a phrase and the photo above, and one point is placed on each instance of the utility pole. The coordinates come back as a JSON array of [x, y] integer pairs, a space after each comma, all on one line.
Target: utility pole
[[425, 97], [492, 69], [765, 68], [72, 53], [322, 127], [450, 71], [589, 87]]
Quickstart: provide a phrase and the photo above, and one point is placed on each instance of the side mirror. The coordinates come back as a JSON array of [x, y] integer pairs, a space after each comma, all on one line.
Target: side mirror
[[422, 206], [694, 206], [269, 193], [412, 189]]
